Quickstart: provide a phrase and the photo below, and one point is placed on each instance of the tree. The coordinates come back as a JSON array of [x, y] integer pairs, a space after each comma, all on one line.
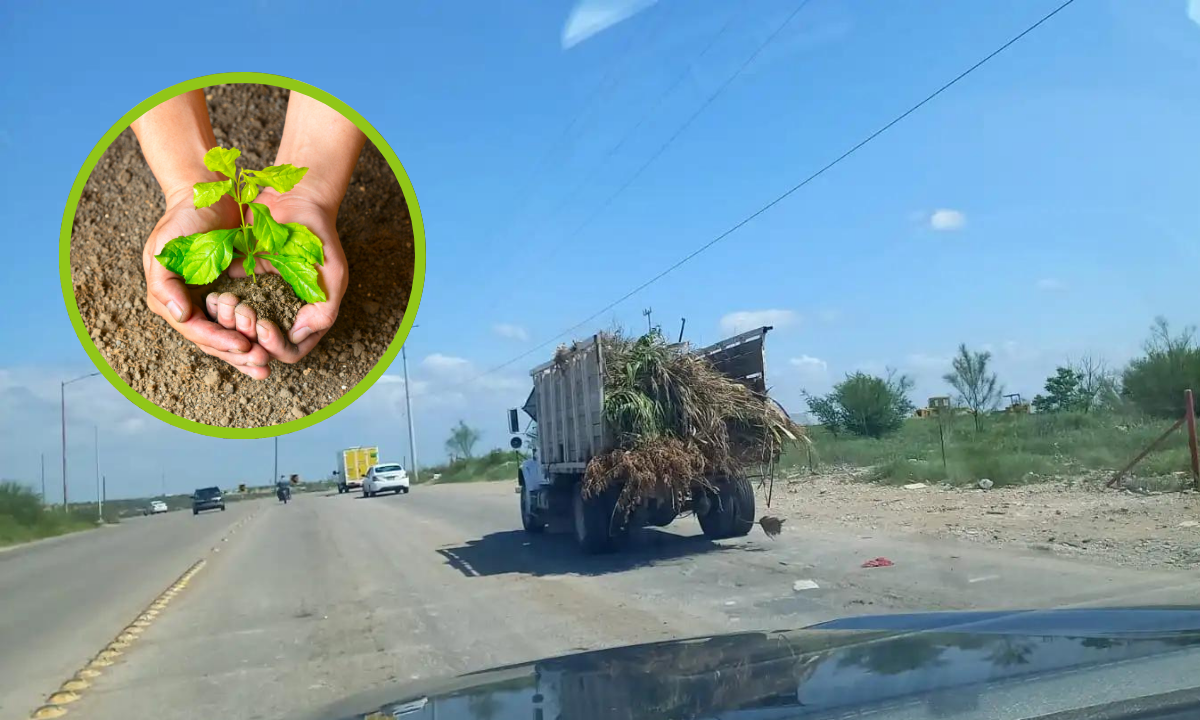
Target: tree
[[1063, 393], [978, 389], [462, 440], [1155, 383], [1099, 385], [864, 405], [827, 411]]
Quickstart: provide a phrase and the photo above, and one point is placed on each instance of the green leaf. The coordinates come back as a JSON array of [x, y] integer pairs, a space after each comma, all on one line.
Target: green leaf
[[248, 265], [221, 159], [205, 194], [173, 253], [304, 243], [241, 243], [249, 191], [209, 255], [270, 234], [301, 275], [280, 177]]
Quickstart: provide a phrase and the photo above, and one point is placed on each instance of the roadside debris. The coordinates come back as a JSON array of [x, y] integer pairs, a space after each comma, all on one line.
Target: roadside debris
[[805, 585], [914, 486], [878, 562], [984, 484], [772, 526], [1189, 524]]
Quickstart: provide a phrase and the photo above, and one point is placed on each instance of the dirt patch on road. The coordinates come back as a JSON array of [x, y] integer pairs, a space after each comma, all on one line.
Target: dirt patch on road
[[1074, 517], [121, 204]]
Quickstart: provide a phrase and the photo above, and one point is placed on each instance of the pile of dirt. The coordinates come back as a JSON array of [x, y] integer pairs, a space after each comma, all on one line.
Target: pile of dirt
[[119, 207], [1073, 517]]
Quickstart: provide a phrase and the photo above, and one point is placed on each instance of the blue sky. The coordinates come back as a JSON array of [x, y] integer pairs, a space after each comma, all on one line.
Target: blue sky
[[1045, 207]]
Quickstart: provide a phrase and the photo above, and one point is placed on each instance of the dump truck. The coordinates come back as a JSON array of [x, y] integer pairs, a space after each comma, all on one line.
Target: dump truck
[[567, 404], [352, 466]]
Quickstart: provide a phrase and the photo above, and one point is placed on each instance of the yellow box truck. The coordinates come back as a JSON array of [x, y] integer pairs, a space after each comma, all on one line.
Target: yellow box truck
[[352, 466]]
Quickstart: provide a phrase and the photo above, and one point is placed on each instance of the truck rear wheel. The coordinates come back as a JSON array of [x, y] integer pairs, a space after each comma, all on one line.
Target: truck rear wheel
[[731, 510], [529, 519], [594, 527]]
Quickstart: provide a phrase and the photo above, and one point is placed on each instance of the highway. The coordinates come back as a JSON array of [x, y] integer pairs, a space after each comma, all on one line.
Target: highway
[[300, 606]]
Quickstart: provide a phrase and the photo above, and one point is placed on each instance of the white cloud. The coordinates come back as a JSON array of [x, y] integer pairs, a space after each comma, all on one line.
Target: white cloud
[[947, 220], [446, 365], [591, 17], [810, 367], [513, 332], [1193, 11], [743, 320], [1052, 284]]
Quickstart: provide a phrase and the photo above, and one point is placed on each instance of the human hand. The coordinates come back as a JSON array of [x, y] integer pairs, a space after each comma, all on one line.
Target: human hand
[[311, 208], [231, 338]]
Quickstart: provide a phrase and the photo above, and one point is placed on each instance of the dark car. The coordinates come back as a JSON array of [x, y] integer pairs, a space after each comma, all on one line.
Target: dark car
[[209, 498]]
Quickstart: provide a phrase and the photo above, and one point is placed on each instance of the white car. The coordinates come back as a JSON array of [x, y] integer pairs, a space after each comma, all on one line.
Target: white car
[[156, 507], [388, 477]]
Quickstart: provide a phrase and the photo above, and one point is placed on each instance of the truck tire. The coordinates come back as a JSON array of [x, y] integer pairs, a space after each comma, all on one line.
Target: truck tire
[[529, 519], [593, 517], [731, 510]]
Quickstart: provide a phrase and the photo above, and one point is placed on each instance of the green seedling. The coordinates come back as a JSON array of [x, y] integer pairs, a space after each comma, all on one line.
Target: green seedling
[[291, 248]]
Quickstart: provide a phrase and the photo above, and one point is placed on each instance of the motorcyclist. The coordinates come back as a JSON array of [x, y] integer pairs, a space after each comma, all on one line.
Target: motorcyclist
[[283, 490]]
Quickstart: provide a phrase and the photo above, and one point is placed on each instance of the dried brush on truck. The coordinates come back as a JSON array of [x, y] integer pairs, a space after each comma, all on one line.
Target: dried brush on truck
[[677, 422]]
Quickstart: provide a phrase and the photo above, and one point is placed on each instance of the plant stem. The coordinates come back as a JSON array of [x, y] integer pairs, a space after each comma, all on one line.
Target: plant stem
[[242, 216]]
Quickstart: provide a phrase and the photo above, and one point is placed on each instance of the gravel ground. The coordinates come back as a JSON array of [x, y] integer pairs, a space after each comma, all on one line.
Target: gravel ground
[[1075, 518]]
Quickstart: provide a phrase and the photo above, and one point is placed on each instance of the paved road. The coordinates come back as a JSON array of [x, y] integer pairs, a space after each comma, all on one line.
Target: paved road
[[333, 595], [63, 599]]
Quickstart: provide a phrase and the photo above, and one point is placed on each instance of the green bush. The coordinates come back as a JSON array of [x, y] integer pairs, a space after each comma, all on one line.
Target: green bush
[[1155, 383], [864, 405], [23, 518]]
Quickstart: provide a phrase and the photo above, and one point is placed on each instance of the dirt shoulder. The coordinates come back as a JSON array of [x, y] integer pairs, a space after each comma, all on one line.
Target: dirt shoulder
[[1075, 518]]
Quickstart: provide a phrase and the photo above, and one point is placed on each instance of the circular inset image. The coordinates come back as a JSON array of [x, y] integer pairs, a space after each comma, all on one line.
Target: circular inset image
[[242, 255]]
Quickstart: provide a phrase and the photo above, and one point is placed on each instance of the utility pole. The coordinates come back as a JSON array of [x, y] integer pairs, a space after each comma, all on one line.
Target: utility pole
[[99, 495], [646, 313], [412, 435], [164, 483], [682, 325], [62, 390], [43, 479], [276, 473]]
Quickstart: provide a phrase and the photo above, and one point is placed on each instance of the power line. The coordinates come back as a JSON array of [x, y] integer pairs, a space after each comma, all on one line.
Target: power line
[[686, 124], [608, 82], [780, 198], [662, 98]]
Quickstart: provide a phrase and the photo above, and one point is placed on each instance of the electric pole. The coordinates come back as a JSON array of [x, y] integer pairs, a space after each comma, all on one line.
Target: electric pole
[[646, 313], [99, 495], [412, 435]]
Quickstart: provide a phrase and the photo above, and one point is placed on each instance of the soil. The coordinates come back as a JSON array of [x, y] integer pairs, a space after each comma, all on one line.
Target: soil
[[119, 207], [1073, 517], [269, 294]]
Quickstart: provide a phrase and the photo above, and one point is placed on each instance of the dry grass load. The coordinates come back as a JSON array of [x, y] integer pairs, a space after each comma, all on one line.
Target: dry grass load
[[677, 421]]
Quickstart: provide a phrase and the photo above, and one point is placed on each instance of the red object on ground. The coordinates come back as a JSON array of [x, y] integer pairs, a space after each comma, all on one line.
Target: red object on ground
[[878, 562]]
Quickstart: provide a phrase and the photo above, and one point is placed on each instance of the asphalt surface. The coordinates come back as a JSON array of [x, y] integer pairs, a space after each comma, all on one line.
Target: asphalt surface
[[333, 595], [63, 599]]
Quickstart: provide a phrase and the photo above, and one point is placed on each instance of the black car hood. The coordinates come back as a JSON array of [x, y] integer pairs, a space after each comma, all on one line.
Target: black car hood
[[826, 670]]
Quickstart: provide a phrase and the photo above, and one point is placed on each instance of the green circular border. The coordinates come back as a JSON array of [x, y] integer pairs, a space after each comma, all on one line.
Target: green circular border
[[64, 257]]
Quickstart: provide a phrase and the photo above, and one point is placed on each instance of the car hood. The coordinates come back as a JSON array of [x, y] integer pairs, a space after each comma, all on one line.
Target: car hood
[[945, 663]]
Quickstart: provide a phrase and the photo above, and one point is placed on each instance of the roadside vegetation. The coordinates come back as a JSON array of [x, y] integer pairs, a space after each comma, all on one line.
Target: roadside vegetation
[[24, 518], [1090, 419], [495, 465]]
